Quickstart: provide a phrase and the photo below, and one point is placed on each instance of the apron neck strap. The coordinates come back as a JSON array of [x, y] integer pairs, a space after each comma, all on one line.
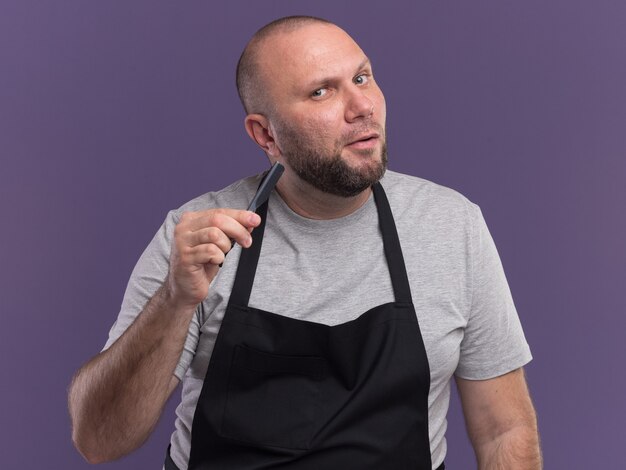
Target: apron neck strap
[[249, 259], [248, 262], [391, 242]]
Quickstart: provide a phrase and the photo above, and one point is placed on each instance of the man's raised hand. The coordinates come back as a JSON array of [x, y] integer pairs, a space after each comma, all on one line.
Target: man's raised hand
[[201, 241]]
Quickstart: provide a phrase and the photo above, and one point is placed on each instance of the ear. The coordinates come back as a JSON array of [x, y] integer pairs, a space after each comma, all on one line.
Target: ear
[[258, 128]]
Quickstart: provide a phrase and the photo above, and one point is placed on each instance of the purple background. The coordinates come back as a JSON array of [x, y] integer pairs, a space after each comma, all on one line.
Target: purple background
[[112, 113]]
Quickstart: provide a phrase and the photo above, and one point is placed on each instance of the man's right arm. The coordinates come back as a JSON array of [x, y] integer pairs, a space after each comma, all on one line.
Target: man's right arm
[[115, 400]]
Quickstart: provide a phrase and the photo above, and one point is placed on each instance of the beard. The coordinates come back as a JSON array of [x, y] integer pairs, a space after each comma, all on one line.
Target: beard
[[327, 171]]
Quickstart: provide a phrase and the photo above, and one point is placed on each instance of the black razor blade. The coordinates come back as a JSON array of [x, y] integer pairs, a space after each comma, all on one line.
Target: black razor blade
[[265, 188]]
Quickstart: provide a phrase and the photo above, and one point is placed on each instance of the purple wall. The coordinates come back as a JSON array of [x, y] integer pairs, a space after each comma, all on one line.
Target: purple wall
[[112, 113]]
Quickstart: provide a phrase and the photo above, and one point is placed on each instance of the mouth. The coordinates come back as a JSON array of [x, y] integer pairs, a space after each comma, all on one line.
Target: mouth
[[365, 141]]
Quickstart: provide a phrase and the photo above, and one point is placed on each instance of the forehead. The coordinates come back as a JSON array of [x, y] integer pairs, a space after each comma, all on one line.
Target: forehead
[[308, 53]]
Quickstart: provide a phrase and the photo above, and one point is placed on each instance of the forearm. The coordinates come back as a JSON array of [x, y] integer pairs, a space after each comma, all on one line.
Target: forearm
[[516, 449], [116, 399]]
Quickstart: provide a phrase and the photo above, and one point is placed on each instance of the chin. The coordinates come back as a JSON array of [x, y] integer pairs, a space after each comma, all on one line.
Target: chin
[[365, 162]]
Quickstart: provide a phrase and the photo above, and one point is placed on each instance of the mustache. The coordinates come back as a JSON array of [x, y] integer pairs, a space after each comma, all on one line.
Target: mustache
[[358, 132]]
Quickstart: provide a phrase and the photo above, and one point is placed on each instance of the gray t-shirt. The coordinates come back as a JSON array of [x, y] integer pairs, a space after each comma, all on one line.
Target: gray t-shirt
[[332, 271]]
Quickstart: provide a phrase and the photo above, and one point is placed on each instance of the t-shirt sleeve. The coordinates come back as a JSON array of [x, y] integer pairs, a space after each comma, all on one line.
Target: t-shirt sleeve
[[493, 342], [146, 278]]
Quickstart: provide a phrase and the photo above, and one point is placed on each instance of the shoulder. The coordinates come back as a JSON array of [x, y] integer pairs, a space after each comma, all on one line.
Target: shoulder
[[414, 196], [236, 195]]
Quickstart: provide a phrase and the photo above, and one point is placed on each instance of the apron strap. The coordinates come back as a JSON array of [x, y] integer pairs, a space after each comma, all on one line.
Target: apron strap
[[169, 463], [248, 262], [393, 251]]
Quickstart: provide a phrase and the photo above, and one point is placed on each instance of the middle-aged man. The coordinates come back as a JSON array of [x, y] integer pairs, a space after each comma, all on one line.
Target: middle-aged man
[[328, 341]]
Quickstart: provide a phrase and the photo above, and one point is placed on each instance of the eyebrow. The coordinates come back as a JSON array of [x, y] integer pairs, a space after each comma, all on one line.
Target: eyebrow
[[316, 82], [363, 64]]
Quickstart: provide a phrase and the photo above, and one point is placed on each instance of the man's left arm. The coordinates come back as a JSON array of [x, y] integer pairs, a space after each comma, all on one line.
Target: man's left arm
[[501, 422]]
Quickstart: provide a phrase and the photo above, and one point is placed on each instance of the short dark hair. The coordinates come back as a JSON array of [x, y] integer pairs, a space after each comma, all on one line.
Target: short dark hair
[[249, 87]]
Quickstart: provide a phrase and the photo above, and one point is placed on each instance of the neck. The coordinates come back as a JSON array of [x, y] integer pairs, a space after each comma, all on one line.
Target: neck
[[309, 202]]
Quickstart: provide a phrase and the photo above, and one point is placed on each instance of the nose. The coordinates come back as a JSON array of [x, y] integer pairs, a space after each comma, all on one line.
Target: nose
[[358, 105]]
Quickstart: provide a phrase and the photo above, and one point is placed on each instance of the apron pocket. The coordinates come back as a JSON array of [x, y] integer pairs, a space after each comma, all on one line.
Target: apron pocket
[[272, 399]]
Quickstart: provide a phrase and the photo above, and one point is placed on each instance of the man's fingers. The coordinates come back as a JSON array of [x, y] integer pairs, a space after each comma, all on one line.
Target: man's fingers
[[206, 254], [233, 223], [201, 241], [201, 219], [209, 235]]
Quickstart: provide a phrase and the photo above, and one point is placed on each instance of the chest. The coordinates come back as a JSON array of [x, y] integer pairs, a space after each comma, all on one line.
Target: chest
[[334, 278]]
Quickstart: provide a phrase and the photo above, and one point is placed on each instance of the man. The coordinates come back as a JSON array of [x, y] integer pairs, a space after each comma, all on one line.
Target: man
[[329, 340]]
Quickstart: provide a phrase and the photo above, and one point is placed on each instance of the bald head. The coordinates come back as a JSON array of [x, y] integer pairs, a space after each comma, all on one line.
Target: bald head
[[251, 83]]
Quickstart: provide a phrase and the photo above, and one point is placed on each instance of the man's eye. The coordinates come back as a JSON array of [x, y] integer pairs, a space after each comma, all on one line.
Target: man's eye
[[361, 79], [319, 93]]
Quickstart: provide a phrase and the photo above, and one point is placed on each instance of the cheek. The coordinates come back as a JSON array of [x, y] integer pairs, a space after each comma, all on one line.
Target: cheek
[[322, 126]]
